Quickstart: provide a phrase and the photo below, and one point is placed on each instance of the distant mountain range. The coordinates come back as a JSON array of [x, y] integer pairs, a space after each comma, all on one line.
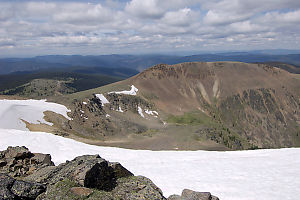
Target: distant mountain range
[[137, 62]]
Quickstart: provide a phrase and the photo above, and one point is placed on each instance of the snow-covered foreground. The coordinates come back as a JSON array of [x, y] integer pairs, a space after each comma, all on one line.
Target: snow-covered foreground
[[241, 175], [12, 112]]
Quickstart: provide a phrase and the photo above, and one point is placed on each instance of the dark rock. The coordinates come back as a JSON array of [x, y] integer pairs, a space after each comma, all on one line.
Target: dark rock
[[40, 158], [88, 171], [135, 188], [17, 153], [20, 162], [6, 182], [2, 163], [16, 189], [6, 194], [119, 170], [27, 190]]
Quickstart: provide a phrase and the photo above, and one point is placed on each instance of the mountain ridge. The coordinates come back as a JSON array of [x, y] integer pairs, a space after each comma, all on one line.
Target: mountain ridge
[[199, 105]]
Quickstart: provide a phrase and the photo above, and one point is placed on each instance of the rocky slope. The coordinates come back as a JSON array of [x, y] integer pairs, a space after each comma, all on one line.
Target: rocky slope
[[25, 176], [214, 106]]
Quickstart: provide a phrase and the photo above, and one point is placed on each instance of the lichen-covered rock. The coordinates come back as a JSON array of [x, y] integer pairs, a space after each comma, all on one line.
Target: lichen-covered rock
[[87, 177], [88, 171], [64, 190], [16, 189], [20, 162], [192, 195], [136, 188], [27, 190], [119, 170], [6, 182]]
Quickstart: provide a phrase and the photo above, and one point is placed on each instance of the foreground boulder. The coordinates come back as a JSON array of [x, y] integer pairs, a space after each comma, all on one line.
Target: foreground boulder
[[89, 171], [85, 177], [11, 188], [20, 162]]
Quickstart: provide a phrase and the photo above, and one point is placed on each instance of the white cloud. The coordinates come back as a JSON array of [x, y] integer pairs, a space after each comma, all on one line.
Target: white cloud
[[78, 13], [144, 8], [182, 17], [148, 25], [222, 18]]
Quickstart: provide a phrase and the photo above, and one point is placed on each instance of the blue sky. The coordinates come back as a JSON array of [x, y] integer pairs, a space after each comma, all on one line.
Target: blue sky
[[29, 28]]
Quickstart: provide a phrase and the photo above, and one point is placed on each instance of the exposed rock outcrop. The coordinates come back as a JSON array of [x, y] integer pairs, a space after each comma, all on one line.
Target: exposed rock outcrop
[[20, 162], [85, 177], [192, 195], [11, 188]]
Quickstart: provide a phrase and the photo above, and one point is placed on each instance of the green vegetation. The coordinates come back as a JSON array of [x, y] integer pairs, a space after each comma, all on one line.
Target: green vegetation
[[62, 190], [191, 118]]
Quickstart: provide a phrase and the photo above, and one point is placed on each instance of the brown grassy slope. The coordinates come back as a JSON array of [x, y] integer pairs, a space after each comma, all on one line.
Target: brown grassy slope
[[188, 86]]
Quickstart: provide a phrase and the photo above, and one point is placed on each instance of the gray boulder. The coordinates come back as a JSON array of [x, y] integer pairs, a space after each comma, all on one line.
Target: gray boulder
[[89, 171], [20, 162], [11, 188], [192, 195]]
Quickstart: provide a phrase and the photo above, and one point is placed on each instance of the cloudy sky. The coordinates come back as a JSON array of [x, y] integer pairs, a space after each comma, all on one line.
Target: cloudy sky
[[29, 28]]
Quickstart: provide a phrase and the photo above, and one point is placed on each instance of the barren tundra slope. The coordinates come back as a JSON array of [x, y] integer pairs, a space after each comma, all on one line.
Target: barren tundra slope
[[218, 105]]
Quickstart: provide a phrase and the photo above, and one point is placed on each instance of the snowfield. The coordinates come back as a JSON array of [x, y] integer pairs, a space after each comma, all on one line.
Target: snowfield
[[12, 112], [241, 175], [102, 98], [133, 91]]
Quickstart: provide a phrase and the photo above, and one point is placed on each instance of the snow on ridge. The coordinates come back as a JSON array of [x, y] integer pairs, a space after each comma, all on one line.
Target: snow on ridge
[[120, 109], [133, 91], [12, 112], [271, 174], [150, 112], [102, 98], [140, 111]]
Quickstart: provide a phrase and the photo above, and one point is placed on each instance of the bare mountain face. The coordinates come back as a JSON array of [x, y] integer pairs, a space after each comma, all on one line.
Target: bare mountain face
[[220, 105], [258, 102]]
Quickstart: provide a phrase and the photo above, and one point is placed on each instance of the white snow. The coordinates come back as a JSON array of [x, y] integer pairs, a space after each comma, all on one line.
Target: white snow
[[120, 109], [12, 112], [140, 111], [133, 91], [150, 112], [102, 98], [271, 174]]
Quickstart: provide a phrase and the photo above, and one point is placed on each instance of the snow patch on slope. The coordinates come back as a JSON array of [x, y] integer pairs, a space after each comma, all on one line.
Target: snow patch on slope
[[120, 109], [150, 112], [140, 111], [133, 91], [102, 99], [12, 112], [271, 174]]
